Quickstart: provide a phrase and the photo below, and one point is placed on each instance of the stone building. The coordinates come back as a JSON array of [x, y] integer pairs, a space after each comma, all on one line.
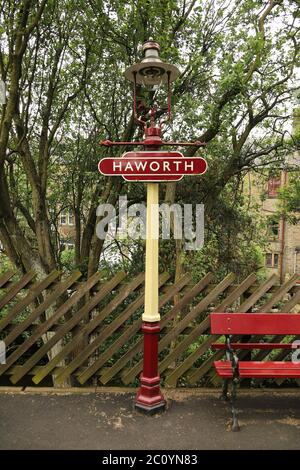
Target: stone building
[[66, 229], [283, 255]]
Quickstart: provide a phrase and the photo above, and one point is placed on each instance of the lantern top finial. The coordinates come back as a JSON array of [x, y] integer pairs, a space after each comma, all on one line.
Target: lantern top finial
[[151, 70]]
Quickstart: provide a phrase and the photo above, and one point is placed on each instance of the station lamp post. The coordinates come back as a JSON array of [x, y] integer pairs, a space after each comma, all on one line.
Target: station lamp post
[[151, 73]]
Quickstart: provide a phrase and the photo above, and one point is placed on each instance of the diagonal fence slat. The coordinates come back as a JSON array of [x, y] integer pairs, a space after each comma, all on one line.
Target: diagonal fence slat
[[5, 277], [276, 297], [62, 287], [173, 377], [280, 292], [33, 294], [121, 296], [287, 306], [49, 337], [129, 376], [122, 362], [292, 302], [68, 326], [62, 310], [259, 293], [244, 307], [188, 297], [16, 288], [112, 327]]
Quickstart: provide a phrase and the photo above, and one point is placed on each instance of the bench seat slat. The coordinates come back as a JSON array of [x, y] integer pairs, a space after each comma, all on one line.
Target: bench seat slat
[[255, 323], [260, 370], [253, 346]]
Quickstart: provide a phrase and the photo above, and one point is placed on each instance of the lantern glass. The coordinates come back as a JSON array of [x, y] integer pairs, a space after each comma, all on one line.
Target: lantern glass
[[151, 70]]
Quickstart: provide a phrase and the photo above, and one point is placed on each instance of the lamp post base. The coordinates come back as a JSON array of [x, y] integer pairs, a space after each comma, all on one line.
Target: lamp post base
[[149, 399], [152, 409]]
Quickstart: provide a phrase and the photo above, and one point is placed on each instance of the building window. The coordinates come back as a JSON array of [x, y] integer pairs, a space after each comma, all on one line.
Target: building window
[[269, 260], [71, 218], [63, 218], [272, 260], [66, 218], [66, 246], [273, 227], [274, 185]]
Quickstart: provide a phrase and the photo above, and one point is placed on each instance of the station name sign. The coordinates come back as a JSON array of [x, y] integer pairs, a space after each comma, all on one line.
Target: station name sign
[[152, 166]]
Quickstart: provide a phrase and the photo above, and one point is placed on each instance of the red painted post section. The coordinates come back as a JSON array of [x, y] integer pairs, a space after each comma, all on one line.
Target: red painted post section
[[149, 398]]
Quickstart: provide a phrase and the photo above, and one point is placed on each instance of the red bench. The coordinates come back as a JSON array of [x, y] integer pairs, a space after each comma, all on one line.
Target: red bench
[[242, 324]]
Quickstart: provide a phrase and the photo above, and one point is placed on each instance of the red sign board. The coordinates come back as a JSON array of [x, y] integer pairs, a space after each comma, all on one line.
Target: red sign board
[[152, 166]]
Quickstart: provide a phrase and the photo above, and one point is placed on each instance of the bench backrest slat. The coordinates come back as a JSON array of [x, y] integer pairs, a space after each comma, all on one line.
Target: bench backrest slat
[[255, 323]]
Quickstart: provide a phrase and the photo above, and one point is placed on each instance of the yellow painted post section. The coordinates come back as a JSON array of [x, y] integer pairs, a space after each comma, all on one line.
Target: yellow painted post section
[[151, 313]]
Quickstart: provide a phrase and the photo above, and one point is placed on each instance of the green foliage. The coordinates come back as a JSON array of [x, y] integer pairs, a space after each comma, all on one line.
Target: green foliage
[[67, 260], [234, 239], [289, 198], [5, 263], [238, 63]]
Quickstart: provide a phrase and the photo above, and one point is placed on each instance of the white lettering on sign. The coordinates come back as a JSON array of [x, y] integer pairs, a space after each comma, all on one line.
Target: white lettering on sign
[[154, 166], [140, 168], [166, 166], [117, 166], [128, 166], [189, 166], [177, 165], [141, 165]]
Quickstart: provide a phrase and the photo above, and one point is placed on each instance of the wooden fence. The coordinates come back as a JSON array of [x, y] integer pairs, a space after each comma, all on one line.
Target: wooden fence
[[61, 329]]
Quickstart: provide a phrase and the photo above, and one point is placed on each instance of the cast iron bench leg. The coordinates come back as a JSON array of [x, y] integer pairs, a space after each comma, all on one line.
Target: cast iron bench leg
[[224, 394], [235, 424], [230, 354]]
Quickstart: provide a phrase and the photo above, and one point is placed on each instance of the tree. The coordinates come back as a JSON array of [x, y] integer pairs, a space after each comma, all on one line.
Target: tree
[[62, 63], [289, 199]]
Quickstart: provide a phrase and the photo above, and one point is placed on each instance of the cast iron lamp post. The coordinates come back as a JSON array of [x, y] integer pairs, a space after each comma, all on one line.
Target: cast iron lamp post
[[151, 72]]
